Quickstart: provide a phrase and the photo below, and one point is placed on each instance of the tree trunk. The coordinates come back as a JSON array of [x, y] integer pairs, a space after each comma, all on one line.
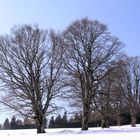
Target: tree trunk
[[118, 120], [133, 118], [105, 122], [40, 124], [40, 129], [133, 121], [85, 116]]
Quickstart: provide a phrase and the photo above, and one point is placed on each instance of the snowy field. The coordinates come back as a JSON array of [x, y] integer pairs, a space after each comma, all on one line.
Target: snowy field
[[113, 133]]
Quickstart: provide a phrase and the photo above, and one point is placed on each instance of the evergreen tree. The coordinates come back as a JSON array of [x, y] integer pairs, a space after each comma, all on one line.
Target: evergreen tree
[[58, 121], [6, 124], [52, 122], [0, 126], [13, 123], [65, 120]]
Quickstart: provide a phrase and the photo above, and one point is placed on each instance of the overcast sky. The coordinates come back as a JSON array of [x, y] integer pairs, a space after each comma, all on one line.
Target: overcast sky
[[121, 16]]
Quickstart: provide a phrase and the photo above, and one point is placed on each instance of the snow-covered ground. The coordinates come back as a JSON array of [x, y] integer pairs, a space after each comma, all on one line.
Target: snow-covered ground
[[113, 133]]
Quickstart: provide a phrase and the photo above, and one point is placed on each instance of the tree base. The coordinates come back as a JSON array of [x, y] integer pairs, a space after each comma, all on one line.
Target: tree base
[[84, 129], [38, 132]]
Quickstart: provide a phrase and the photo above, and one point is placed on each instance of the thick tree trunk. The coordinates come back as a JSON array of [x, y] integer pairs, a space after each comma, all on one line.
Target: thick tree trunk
[[133, 121], [40, 123], [133, 118], [85, 121], [105, 122], [85, 116], [40, 129]]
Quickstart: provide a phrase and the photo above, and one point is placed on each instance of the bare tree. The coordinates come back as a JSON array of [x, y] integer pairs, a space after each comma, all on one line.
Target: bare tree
[[119, 100], [109, 100], [89, 50], [102, 101], [30, 71], [130, 83]]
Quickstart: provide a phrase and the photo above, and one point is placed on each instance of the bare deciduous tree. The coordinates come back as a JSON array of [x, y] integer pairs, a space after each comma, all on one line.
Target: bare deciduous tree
[[109, 99], [130, 83], [30, 71], [89, 50]]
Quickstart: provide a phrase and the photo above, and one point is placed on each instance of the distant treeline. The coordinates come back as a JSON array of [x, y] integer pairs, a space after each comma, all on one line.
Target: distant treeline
[[95, 120], [63, 121], [19, 124]]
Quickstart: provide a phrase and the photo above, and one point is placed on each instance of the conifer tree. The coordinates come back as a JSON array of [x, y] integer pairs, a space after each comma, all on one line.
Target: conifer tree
[[6, 124], [13, 123]]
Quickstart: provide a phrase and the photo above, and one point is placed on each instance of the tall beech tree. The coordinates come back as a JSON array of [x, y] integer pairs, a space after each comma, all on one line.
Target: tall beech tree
[[89, 49], [30, 71]]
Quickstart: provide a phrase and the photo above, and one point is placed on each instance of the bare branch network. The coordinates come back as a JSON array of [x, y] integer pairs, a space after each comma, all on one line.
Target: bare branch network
[[84, 64]]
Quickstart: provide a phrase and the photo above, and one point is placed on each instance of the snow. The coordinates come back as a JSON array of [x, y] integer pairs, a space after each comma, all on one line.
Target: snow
[[112, 133]]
